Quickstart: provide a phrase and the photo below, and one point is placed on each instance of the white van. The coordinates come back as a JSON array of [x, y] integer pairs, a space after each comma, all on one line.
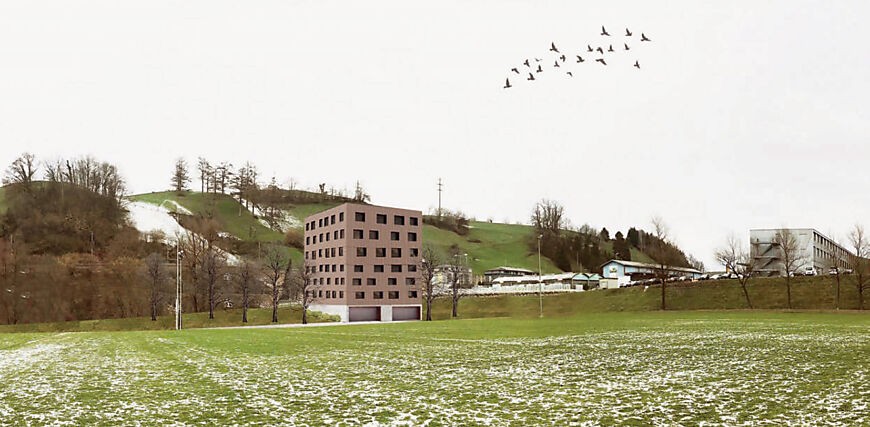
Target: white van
[[809, 271]]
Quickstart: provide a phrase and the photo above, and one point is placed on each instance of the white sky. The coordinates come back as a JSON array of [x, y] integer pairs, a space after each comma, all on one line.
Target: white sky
[[745, 114]]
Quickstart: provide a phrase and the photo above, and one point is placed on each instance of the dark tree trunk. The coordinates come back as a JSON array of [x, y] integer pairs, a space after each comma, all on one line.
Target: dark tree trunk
[[211, 301], [746, 295], [455, 306], [664, 305], [428, 309], [837, 304], [274, 311], [788, 289], [304, 315]]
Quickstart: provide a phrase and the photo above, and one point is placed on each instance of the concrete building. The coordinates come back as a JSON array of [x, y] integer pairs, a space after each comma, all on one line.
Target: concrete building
[[816, 252], [628, 271], [364, 261]]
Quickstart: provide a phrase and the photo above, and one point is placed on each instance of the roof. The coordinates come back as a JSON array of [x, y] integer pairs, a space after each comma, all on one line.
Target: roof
[[544, 278], [646, 265], [515, 269], [587, 276]]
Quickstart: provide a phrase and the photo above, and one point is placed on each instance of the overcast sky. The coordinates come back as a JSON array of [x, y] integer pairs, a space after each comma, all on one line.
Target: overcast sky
[[744, 114]]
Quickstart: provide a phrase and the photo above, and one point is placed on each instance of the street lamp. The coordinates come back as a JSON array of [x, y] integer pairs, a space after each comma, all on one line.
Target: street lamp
[[540, 296], [179, 254]]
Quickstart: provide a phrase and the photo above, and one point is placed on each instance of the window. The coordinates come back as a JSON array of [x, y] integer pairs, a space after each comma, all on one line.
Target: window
[[396, 252], [333, 268], [306, 254], [410, 281], [380, 252], [357, 268], [393, 294], [360, 252], [312, 225], [379, 268], [413, 220], [360, 216], [357, 234], [342, 282], [341, 233], [341, 251], [341, 294], [396, 268], [335, 235], [371, 281], [320, 238], [332, 219], [313, 255], [374, 235], [382, 219], [412, 237], [320, 222], [415, 252], [412, 268], [327, 237], [392, 281], [356, 281], [341, 267], [359, 295], [307, 226], [307, 238], [341, 217], [329, 280], [332, 253], [412, 294], [394, 235], [378, 294], [320, 253], [320, 268], [398, 220]]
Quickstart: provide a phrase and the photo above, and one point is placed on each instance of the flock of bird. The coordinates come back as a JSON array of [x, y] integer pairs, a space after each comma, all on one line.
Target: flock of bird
[[560, 59]]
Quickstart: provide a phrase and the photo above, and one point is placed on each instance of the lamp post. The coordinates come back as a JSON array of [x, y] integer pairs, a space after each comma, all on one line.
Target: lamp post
[[179, 254], [540, 296]]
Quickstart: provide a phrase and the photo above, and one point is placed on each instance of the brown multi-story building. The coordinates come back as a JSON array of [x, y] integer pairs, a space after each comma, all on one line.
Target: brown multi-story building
[[363, 261]]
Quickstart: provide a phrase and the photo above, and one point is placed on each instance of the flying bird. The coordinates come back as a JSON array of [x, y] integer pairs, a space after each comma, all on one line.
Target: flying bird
[[507, 83], [600, 50], [562, 58], [526, 63], [610, 49], [643, 38], [531, 76], [537, 59], [553, 48], [515, 70], [627, 33], [601, 60], [570, 74], [539, 70], [589, 48], [556, 64], [626, 46], [580, 59], [604, 32], [637, 65]]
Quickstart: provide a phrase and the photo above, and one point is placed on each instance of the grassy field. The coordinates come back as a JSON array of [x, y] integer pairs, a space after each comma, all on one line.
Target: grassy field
[[674, 368]]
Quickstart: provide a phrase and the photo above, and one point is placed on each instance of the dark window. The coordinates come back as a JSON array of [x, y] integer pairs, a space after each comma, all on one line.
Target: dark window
[[393, 294], [341, 268], [335, 235], [320, 237], [413, 220], [410, 281], [329, 280], [306, 254], [382, 219], [341, 294], [319, 294], [371, 281], [341, 251], [374, 235], [360, 216], [398, 220], [412, 294], [360, 252], [412, 237], [307, 226], [341, 233], [320, 253], [332, 253], [379, 268], [313, 255], [380, 252], [415, 252], [412, 268], [396, 268], [307, 238], [332, 219], [359, 295], [357, 268], [333, 268], [340, 216], [392, 281], [327, 237], [356, 281], [357, 234], [378, 295], [394, 235], [320, 222], [396, 252]]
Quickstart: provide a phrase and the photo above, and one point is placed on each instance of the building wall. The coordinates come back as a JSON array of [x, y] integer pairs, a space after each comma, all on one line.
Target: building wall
[[356, 242], [814, 250]]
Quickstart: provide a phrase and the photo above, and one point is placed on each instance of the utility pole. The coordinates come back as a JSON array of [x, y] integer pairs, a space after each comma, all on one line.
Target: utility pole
[[439, 198], [178, 255], [540, 297]]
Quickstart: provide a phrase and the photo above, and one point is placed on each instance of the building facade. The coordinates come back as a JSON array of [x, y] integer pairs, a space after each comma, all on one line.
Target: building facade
[[495, 273], [816, 253], [363, 262], [627, 271]]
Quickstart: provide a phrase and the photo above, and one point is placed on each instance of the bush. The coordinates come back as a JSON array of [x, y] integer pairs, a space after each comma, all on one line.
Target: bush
[[294, 238]]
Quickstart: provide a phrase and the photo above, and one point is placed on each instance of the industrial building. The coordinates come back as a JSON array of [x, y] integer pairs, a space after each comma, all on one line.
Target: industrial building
[[816, 253], [495, 273], [364, 262], [627, 271]]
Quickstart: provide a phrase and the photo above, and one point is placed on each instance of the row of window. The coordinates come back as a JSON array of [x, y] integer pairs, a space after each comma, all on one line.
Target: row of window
[[358, 268], [325, 253], [359, 295], [319, 238], [392, 281], [360, 217], [360, 252], [376, 235], [320, 281], [322, 222]]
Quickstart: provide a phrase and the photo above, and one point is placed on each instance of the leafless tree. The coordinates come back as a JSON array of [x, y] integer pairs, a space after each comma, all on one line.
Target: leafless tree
[[427, 267], [860, 262], [360, 195], [180, 176], [156, 277], [738, 261], [194, 252], [835, 261], [549, 216], [791, 256], [304, 288], [663, 254], [247, 276], [22, 170], [213, 265], [205, 170], [277, 266]]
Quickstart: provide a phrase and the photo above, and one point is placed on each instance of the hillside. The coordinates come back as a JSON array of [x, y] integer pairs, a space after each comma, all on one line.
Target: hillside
[[2, 200]]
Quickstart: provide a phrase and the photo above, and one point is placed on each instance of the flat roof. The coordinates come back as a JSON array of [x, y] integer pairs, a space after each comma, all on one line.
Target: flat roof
[[645, 265]]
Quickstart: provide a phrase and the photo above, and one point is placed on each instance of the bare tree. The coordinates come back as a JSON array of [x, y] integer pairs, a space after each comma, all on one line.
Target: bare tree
[[277, 266], [860, 261], [194, 251], [304, 288], [738, 261], [22, 170], [247, 277], [213, 265], [835, 262], [204, 169], [455, 279], [549, 216], [154, 272], [663, 254], [180, 177], [428, 266], [360, 195], [790, 254]]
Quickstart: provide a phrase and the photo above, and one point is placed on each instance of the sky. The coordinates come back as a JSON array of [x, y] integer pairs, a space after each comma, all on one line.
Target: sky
[[744, 114]]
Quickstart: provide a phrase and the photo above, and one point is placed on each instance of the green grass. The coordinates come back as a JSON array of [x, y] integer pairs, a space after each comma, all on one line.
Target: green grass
[[598, 369]]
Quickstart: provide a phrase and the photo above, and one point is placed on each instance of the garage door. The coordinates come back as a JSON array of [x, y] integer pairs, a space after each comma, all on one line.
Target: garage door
[[406, 313], [364, 314]]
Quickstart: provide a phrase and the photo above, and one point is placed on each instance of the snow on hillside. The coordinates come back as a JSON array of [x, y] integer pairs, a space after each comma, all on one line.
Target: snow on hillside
[[284, 221]]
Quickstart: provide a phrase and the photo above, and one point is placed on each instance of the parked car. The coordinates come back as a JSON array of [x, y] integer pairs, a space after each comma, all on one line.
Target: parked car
[[809, 271]]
